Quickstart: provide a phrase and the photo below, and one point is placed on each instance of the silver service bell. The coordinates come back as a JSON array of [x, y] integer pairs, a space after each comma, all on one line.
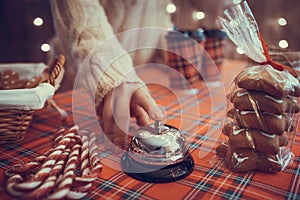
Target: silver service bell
[[157, 153]]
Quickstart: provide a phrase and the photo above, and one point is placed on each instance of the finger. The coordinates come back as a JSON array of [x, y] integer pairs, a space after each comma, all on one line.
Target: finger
[[142, 98], [142, 118]]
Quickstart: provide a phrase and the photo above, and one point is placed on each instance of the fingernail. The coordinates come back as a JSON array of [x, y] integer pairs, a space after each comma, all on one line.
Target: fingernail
[[157, 113]]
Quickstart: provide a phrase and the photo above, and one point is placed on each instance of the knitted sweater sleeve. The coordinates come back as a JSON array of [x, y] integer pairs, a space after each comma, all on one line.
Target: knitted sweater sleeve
[[86, 35]]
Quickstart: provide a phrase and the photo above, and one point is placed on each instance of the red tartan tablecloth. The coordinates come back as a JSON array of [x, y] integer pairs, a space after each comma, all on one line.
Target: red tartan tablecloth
[[209, 179]]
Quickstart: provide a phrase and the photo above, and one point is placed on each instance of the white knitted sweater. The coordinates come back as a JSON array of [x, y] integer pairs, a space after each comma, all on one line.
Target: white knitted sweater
[[81, 25]]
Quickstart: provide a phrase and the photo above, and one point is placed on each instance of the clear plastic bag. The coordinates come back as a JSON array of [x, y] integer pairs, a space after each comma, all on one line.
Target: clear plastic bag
[[262, 103]]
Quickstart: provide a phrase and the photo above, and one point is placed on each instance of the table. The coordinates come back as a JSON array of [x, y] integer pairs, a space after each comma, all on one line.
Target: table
[[209, 179]]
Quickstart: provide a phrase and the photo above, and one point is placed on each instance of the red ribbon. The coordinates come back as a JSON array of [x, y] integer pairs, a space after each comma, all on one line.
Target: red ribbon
[[274, 64]]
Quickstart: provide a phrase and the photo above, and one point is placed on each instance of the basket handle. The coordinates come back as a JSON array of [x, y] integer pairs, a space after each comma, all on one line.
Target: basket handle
[[55, 68]]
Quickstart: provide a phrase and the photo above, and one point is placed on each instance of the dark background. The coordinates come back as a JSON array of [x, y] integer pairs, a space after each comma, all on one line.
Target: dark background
[[20, 40]]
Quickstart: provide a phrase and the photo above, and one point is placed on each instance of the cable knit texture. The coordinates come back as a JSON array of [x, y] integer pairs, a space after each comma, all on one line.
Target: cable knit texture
[[125, 15], [81, 26]]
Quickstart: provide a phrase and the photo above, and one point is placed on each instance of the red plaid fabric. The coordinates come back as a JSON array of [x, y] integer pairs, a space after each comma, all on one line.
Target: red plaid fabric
[[209, 179], [185, 56], [215, 53]]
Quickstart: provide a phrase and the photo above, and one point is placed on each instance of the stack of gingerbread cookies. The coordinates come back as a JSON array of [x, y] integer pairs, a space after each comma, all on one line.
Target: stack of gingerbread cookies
[[263, 105]]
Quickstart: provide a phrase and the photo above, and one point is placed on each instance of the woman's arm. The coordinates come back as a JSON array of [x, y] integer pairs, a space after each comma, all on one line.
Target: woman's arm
[[81, 26], [85, 33]]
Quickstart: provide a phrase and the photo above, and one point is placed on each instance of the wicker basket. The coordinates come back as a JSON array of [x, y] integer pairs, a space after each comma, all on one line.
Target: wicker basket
[[14, 123]]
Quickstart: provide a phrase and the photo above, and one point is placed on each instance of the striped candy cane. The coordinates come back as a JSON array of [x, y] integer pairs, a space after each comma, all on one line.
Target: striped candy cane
[[84, 182], [31, 184], [68, 174], [48, 185], [55, 176]]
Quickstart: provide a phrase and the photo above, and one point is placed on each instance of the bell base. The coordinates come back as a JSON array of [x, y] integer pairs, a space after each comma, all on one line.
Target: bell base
[[153, 174]]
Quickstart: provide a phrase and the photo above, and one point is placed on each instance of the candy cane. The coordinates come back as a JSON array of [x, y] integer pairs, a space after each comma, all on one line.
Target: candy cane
[[95, 161], [63, 133], [13, 180], [83, 183], [48, 185], [68, 174], [76, 194], [85, 156], [26, 168], [16, 171], [29, 167], [16, 186], [59, 135], [58, 167], [43, 173]]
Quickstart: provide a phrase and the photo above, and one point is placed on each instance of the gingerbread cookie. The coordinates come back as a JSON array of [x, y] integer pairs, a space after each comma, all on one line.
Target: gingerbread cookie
[[8, 75], [252, 100], [269, 80], [265, 121], [253, 139], [244, 160], [15, 84], [33, 82], [9, 80]]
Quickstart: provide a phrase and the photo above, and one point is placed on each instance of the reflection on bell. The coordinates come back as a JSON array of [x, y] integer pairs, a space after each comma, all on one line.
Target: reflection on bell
[[157, 153]]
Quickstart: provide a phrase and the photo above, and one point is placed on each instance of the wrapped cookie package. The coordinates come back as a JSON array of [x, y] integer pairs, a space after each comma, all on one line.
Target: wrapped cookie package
[[261, 120], [262, 113]]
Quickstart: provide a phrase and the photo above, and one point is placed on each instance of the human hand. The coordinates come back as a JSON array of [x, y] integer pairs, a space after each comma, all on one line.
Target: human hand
[[125, 101]]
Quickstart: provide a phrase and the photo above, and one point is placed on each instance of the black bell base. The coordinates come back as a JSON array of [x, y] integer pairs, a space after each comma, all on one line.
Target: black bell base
[[149, 173]]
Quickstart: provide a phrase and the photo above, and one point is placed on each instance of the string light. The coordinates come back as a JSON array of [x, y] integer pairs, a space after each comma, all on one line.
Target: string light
[[282, 21], [171, 8], [199, 15], [283, 44], [45, 47], [38, 21]]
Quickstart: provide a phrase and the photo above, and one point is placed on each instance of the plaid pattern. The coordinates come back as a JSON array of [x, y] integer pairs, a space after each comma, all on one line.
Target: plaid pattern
[[215, 53], [185, 56], [209, 180]]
